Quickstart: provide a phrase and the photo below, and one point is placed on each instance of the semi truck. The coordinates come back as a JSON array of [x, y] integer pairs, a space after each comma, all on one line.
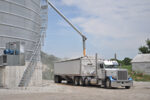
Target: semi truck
[[86, 71]]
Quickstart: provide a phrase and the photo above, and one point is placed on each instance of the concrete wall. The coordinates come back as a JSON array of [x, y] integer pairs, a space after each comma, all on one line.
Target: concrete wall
[[2, 76], [10, 76], [36, 79], [141, 67]]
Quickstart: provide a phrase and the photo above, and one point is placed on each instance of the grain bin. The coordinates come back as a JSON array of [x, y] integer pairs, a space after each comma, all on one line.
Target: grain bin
[[21, 20]]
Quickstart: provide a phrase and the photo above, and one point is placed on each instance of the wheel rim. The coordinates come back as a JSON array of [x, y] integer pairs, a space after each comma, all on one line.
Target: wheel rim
[[76, 81], [86, 81], [81, 82], [107, 83]]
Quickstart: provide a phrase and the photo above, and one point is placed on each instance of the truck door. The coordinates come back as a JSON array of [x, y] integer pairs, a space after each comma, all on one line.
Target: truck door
[[101, 71]]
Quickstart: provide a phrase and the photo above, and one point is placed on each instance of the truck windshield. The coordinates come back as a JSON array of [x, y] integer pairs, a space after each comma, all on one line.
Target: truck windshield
[[111, 66]]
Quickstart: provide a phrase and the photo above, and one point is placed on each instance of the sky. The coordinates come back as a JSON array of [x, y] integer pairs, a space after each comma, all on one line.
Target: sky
[[111, 26]]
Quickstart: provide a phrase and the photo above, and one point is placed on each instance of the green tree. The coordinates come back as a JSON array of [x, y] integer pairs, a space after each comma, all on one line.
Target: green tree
[[127, 61], [148, 43], [145, 49]]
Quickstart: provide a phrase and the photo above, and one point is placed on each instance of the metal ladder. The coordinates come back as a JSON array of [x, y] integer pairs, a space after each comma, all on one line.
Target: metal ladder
[[33, 60], [31, 66]]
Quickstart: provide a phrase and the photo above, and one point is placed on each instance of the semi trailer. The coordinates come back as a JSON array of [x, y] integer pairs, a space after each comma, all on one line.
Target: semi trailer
[[86, 71]]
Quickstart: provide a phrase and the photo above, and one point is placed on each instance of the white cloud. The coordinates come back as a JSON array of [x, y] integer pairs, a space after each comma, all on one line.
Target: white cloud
[[97, 27], [111, 15], [126, 21]]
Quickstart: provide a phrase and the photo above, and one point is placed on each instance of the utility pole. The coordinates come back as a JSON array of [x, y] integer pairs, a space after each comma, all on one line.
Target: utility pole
[[115, 56], [96, 58]]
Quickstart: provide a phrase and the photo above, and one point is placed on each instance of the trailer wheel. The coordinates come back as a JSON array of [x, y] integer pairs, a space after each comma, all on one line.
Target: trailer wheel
[[108, 83], [127, 87], [81, 82], [76, 81], [69, 82], [57, 79], [87, 82]]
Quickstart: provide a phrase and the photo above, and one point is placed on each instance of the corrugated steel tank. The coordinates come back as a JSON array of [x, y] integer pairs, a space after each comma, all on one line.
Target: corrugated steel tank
[[20, 21]]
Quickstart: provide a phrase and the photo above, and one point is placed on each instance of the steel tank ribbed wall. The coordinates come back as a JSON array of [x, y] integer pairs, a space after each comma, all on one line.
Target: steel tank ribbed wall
[[20, 21]]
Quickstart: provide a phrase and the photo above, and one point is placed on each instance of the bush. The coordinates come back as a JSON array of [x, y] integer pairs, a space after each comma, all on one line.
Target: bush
[[137, 76]]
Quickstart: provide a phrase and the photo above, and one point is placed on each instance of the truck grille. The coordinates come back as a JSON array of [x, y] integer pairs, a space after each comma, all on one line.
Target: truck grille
[[122, 75]]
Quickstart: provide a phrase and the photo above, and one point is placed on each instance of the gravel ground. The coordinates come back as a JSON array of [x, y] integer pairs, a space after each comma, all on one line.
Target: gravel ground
[[52, 91]]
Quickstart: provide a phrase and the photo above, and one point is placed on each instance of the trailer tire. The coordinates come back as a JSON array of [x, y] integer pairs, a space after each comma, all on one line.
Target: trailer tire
[[81, 81], [108, 83], [69, 82], [57, 79], [127, 87], [87, 82], [76, 81]]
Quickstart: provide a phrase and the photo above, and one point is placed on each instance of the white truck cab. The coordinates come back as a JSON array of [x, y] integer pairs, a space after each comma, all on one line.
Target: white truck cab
[[112, 75]]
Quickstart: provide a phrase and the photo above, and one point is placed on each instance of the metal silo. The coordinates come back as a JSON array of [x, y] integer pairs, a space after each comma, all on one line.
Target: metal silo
[[22, 20]]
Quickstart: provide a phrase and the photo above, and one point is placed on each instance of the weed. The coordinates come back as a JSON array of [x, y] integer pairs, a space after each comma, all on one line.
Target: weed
[[137, 76]]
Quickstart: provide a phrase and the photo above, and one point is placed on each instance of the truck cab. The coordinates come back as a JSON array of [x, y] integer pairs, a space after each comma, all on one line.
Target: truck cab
[[112, 76]]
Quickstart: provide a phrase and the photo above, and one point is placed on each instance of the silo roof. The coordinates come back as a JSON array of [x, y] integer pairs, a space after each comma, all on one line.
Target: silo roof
[[141, 58]]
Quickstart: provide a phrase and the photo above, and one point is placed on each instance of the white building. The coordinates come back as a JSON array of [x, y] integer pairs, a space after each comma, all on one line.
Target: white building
[[141, 63]]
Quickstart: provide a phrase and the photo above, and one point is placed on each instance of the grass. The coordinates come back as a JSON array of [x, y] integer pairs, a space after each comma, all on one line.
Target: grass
[[137, 76]]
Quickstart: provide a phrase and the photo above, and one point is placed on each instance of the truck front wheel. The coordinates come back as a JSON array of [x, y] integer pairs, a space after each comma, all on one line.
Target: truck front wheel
[[108, 83]]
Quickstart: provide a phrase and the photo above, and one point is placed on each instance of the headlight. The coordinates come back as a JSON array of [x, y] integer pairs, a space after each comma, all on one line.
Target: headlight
[[130, 79]]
